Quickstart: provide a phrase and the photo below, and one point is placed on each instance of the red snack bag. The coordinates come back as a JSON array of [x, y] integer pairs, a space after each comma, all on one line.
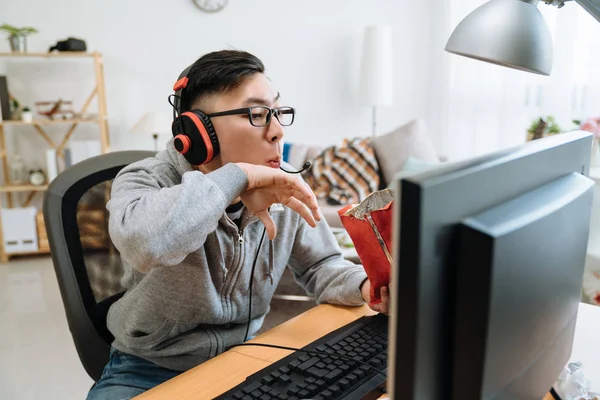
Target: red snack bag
[[369, 225]]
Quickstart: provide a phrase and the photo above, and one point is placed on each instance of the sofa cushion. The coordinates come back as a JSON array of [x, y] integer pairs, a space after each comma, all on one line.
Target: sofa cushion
[[393, 149], [345, 173]]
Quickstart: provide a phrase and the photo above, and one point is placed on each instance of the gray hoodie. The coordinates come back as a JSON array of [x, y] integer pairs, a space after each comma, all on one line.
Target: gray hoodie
[[187, 264]]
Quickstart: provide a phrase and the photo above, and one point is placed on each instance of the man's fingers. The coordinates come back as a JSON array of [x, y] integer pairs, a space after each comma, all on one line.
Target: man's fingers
[[301, 209], [385, 299], [267, 221], [302, 192]]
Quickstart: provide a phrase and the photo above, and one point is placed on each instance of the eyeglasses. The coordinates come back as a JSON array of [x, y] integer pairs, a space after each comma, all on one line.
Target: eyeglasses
[[260, 116]]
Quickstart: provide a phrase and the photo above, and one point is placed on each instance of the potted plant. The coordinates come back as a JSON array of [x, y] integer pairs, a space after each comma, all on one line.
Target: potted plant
[[17, 37], [541, 127], [26, 115], [15, 109]]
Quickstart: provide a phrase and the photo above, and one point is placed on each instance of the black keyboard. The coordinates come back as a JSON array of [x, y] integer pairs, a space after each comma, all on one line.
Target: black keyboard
[[325, 376]]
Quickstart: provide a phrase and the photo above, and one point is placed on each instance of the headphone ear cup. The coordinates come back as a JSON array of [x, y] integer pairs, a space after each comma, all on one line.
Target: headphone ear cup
[[195, 137]]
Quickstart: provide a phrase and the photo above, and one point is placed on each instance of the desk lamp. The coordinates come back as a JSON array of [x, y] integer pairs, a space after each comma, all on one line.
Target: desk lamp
[[511, 33]]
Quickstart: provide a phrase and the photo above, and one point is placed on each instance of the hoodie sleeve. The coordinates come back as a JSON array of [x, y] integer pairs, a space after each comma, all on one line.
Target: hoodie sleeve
[[318, 266], [158, 217]]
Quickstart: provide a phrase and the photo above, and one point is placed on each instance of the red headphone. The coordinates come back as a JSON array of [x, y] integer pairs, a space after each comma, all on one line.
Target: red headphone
[[195, 136]]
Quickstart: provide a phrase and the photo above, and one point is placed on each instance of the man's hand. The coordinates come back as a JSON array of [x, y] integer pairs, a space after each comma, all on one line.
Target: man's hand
[[384, 306], [267, 186]]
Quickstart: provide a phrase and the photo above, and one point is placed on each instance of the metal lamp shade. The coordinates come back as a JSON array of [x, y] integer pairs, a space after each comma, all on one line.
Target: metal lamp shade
[[511, 33]]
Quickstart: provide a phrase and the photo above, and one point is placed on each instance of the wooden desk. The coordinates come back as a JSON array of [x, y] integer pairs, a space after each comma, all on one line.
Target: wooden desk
[[229, 369]]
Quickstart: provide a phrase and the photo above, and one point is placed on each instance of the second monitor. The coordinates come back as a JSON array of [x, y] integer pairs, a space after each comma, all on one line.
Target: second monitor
[[489, 257]]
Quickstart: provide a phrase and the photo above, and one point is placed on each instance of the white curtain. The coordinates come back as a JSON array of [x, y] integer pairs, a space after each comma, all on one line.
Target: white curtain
[[477, 107]]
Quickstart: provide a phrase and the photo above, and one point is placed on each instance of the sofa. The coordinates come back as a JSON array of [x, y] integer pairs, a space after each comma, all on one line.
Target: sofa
[[406, 149]]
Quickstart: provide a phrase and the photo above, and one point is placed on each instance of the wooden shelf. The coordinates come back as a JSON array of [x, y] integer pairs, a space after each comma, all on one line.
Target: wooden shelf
[[23, 188], [28, 253], [10, 191], [49, 121], [65, 54]]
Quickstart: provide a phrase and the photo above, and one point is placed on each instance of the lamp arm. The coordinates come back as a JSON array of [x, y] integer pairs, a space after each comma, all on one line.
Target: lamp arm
[[591, 6]]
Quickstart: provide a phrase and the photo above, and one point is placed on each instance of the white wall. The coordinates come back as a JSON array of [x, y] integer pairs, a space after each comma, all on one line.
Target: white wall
[[311, 49]]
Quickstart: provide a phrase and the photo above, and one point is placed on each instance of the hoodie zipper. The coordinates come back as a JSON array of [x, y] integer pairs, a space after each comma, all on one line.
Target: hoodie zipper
[[239, 260]]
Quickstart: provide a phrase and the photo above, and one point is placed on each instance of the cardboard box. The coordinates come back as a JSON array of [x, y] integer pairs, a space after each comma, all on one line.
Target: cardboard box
[[19, 230]]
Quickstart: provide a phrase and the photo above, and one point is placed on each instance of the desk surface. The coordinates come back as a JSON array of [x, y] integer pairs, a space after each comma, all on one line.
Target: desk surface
[[220, 374]]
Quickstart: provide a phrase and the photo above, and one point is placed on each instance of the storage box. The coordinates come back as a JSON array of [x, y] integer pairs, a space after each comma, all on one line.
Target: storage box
[[43, 244], [19, 230]]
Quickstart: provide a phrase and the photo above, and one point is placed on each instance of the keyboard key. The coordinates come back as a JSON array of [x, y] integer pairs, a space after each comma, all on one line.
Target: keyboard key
[[352, 378], [303, 393], [303, 358], [256, 394], [317, 372], [265, 397], [310, 379], [321, 348], [333, 375], [293, 391], [247, 397], [283, 396], [312, 389], [307, 364], [284, 370], [294, 364], [251, 387], [335, 389], [268, 380], [344, 367], [276, 374], [238, 395], [265, 389], [327, 394], [320, 365], [320, 383], [344, 383], [359, 373]]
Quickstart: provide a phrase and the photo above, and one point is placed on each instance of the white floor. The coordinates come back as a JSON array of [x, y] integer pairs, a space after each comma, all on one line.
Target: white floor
[[37, 355]]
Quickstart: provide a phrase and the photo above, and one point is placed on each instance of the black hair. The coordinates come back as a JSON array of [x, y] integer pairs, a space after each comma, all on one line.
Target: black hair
[[218, 72]]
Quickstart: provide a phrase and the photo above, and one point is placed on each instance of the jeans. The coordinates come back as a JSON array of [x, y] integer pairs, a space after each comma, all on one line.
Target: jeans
[[125, 376]]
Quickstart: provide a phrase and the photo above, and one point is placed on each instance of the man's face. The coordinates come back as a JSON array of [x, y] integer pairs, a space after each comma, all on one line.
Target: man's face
[[239, 140]]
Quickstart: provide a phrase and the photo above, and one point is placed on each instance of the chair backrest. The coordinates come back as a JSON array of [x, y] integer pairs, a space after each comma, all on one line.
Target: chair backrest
[[87, 265]]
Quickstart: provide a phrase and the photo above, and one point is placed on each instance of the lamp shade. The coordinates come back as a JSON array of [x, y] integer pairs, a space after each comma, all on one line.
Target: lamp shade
[[511, 33], [376, 85], [153, 122]]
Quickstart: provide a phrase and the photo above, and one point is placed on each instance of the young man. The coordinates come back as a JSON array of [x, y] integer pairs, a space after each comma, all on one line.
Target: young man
[[193, 236]]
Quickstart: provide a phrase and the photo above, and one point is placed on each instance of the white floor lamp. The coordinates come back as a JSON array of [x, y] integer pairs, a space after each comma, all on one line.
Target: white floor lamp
[[376, 83], [153, 123]]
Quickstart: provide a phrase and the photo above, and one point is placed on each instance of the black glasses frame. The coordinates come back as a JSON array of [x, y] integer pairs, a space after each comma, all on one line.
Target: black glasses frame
[[248, 112]]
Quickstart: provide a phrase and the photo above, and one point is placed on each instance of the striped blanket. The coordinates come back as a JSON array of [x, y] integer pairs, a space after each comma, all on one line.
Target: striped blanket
[[345, 173]]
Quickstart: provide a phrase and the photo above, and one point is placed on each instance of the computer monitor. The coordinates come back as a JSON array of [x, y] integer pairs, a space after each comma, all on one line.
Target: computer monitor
[[489, 257]]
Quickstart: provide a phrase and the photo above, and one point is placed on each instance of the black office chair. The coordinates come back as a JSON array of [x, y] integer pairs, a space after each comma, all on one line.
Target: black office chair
[[88, 267]]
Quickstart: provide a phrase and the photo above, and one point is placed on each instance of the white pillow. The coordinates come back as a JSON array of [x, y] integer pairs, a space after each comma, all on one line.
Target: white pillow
[[393, 149]]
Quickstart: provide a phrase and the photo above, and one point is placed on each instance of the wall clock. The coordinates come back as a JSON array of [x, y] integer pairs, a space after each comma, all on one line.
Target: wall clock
[[211, 5]]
